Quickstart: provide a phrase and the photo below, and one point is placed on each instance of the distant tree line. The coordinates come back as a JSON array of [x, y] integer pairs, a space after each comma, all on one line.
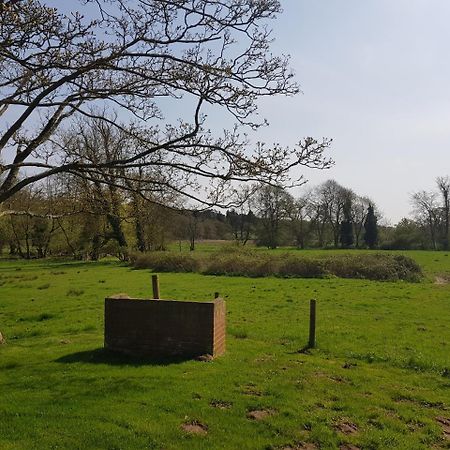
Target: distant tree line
[[83, 219], [429, 227], [329, 215]]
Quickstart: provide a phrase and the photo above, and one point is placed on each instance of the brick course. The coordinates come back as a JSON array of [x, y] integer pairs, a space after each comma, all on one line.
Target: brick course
[[164, 328]]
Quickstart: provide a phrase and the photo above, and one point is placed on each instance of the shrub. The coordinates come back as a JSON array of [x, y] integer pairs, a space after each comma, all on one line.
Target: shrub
[[232, 261], [166, 262], [293, 266], [246, 264], [383, 267]]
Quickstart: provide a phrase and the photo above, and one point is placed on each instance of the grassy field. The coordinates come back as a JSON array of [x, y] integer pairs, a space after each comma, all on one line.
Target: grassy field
[[379, 379]]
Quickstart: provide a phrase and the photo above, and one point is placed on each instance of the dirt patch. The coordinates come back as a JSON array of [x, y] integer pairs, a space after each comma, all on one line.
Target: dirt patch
[[252, 390], [195, 428], [441, 280], [301, 446], [444, 422], [2, 339], [422, 403], [335, 378], [220, 404], [346, 427], [349, 447], [349, 365], [259, 414], [205, 358]]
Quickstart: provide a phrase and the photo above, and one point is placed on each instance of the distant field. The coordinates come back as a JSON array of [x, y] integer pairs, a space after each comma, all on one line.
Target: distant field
[[379, 379]]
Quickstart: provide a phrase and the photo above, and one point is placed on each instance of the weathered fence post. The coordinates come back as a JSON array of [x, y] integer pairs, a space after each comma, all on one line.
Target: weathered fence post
[[312, 324], [155, 285]]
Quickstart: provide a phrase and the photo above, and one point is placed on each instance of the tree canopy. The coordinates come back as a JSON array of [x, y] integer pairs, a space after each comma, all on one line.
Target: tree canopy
[[130, 64]]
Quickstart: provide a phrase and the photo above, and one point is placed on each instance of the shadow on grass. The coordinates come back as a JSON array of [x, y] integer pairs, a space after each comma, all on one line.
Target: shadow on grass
[[64, 262], [102, 356]]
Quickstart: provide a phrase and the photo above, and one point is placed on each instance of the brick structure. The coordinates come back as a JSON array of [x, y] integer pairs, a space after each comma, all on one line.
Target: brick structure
[[165, 328]]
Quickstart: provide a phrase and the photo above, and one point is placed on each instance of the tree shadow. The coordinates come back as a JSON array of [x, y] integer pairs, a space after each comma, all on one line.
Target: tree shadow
[[65, 262], [104, 356]]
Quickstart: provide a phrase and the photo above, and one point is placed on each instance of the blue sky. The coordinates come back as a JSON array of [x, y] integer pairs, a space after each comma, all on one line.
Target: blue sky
[[375, 77]]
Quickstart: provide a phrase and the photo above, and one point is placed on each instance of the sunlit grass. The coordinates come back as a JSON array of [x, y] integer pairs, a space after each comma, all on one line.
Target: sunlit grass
[[381, 365]]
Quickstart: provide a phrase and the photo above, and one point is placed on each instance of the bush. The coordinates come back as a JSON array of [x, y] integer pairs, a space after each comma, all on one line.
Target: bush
[[293, 266], [165, 262], [235, 264], [383, 267], [250, 263]]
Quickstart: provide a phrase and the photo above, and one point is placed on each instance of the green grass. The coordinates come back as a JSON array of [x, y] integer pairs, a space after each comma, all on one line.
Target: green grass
[[382, 363]]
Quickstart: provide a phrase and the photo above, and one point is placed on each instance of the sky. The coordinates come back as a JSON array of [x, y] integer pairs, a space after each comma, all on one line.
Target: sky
[[375, 78]]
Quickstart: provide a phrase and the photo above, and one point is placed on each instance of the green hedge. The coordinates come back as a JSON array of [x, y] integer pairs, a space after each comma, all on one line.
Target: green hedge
[[239, 262]]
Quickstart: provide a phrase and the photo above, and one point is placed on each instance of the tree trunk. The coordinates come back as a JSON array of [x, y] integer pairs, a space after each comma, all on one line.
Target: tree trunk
[[140, 235], [95, 252]]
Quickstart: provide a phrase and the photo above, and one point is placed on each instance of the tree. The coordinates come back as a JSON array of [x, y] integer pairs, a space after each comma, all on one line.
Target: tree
[[443, 184], [428, 212], [242, 224], [271, 204], [241, 220], [296, 213], [407, 235], [371, 228], [346, 231], [130, 56], [317, 213], [360, 206], [193, 220], [91, 141], [332, 198]]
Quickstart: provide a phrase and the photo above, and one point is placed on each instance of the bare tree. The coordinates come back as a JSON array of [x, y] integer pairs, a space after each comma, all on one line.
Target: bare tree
[[332, 199], [427, 211], [242, 220], [271, 204], [443, 184], [193, 220], [297, 213], [131, 56], [32, 216], [360, 205], [317, 212], [93, 141]]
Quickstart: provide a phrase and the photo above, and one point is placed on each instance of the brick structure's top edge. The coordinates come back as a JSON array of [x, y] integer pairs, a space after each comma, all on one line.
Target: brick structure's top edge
[[115, 299]]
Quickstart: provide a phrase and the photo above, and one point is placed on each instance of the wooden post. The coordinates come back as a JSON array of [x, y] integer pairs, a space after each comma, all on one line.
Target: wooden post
[[155, 285], [312, 324], [216, 295]]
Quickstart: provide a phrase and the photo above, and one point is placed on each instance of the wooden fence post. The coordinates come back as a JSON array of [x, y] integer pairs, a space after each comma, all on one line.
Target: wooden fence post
[[155, 285], [312, 324]]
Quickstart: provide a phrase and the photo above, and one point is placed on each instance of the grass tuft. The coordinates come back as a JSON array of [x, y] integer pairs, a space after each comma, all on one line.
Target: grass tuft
[[74, 292]]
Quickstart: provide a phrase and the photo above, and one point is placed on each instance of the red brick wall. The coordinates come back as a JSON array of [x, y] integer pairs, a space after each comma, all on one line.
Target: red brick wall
[[161, 328]]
